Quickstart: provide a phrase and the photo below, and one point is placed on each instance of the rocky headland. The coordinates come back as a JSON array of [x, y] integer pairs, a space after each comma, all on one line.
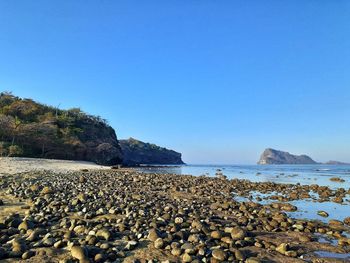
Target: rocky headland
[[272, 156], [34, 130], [138, 152]]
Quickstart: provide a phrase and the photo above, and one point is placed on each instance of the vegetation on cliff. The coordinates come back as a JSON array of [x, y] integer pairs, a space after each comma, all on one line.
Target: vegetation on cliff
[[138, 152], [31, 129]]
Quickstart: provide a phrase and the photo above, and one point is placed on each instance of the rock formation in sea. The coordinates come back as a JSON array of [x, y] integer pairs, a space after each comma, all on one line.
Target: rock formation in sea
[[137, 152], [32, 129], [336, 163], [271, 156]]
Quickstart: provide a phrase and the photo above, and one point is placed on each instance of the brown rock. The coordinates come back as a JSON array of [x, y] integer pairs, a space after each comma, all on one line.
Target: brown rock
[[238, 233], [219, 254], [79, 253], [347, 221], [153, 235], [216, 234]]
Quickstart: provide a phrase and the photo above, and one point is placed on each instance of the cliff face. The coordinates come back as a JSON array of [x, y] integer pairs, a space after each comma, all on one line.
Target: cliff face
[[271, 156], [137, 152], [31, 129]]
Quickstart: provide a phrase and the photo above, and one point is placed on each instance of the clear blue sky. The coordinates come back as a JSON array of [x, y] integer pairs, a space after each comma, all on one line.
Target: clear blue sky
[[218, 81]]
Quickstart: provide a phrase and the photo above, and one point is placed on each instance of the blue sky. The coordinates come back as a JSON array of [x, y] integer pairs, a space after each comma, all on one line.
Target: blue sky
[[218, 81]]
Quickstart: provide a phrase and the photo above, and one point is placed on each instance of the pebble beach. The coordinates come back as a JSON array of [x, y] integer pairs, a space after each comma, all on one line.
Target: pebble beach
[[111, 215]]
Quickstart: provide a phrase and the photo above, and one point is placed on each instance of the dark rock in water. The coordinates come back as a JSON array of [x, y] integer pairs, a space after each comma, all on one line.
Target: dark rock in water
[[49, 132], [337, 179], [271, 156], [136, 152], [323, 213]]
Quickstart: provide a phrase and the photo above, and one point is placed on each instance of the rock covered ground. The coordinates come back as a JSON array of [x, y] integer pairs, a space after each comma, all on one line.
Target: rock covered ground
[[127, 216]]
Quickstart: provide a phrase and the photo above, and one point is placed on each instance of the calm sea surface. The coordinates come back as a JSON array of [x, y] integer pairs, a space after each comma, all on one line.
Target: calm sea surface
[[291, 174], [303, 174]]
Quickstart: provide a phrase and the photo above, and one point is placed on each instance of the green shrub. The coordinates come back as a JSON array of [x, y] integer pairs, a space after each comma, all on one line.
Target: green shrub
[[15, 150]]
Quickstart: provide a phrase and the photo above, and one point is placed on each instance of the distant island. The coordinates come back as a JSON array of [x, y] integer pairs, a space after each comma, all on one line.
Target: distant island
[[35, 130], [336, 163], [272, 156], [138, 152]]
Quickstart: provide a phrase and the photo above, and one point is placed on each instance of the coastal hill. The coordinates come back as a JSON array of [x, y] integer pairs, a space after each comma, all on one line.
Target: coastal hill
[[271, 156], [32, 129], [138, 152]]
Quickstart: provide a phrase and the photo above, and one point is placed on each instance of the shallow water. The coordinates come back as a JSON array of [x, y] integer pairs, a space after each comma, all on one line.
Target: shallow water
[[326, 254], [307, 208], [323, 238], [290, 174], [303, 174]]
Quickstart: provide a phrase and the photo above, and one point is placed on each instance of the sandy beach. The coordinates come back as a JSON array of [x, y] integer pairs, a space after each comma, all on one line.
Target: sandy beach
[[15, 165]]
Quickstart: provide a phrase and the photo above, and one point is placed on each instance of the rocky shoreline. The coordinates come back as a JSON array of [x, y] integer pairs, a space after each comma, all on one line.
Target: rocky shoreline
[[127, 216]]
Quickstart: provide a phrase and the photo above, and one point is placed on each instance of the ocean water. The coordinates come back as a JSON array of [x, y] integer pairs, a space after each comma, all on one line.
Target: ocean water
[[290, 174]]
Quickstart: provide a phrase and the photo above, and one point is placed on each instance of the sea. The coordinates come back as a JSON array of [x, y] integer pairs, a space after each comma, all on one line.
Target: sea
[[288, 174]]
